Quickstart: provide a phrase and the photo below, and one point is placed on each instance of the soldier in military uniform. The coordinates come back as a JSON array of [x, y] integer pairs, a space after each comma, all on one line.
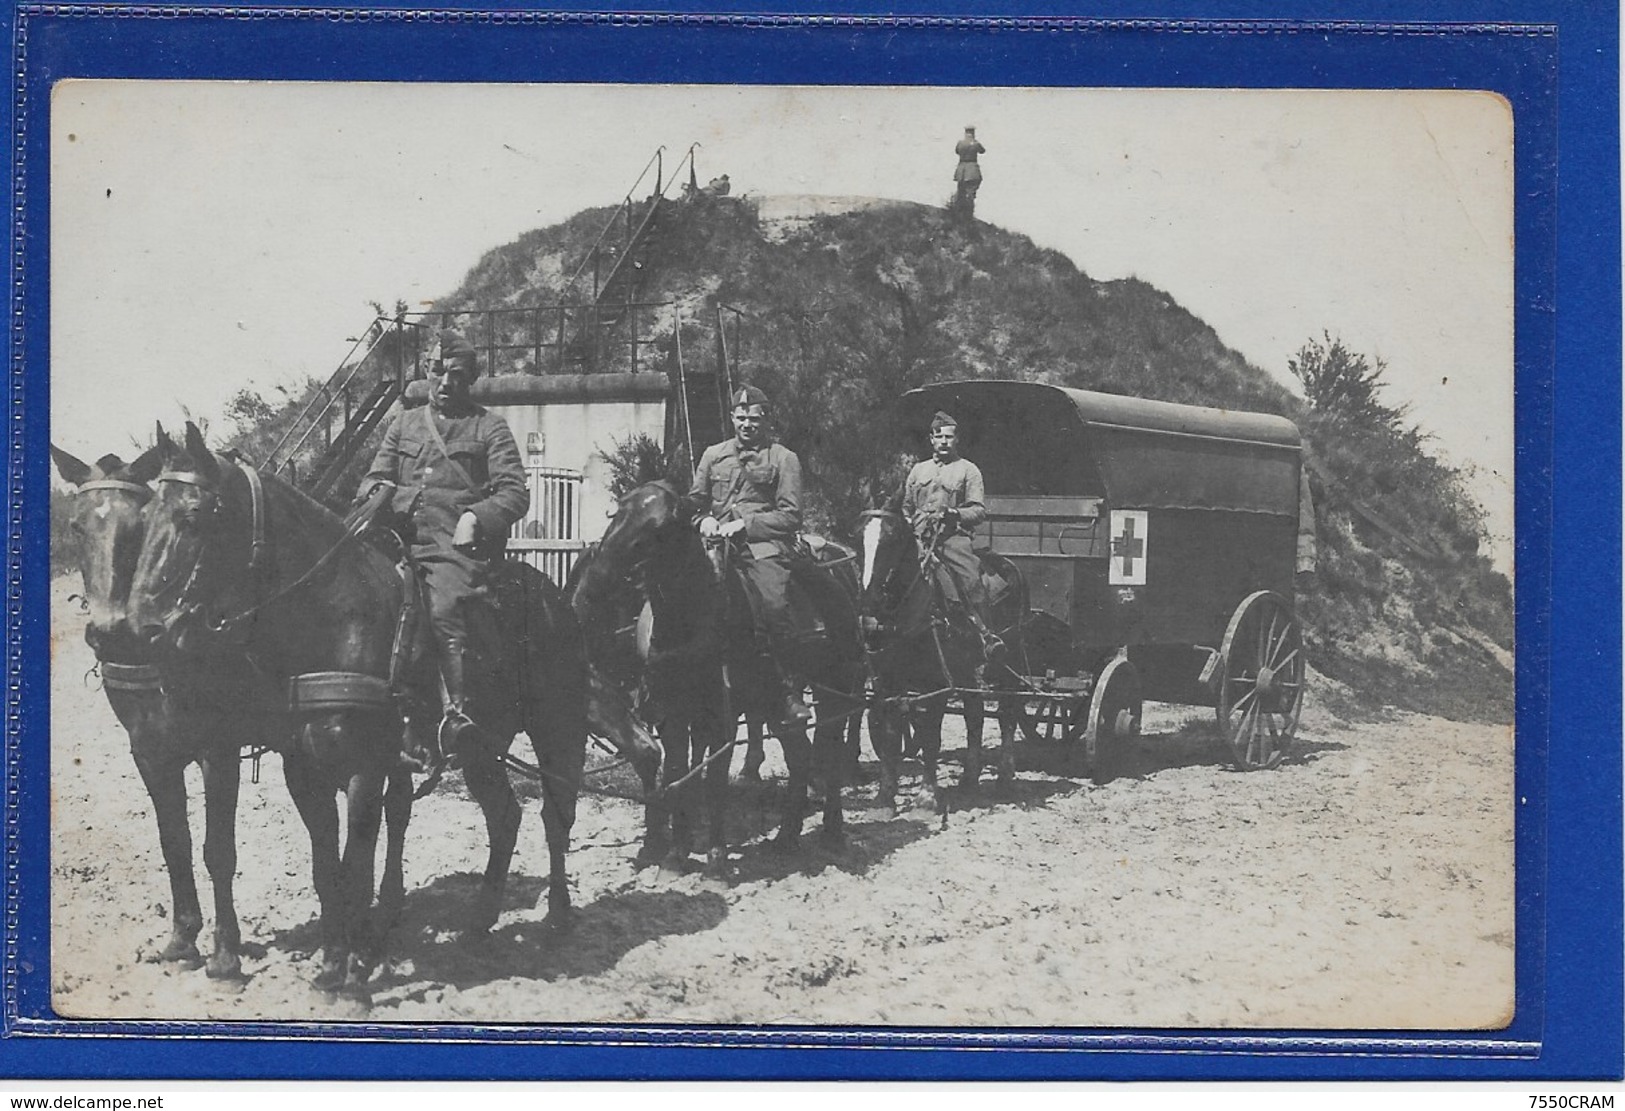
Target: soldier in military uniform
[[750, 487], [968, 174], [942, 499], [459, 482]]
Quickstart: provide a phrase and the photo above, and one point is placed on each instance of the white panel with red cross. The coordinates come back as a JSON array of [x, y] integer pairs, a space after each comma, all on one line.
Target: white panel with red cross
[[1131, 531]]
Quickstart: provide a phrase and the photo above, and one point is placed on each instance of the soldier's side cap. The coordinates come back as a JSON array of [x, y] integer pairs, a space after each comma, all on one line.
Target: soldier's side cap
[[747, 396], [943, 420], [455, 348]]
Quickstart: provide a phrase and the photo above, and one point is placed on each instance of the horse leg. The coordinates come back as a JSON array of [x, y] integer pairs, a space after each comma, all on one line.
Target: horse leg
[[319, 810], [973, 741], [686, 747], [830, 744], [657, 805], [1009, 717], [165, 780], [559, 738], [397, 816], [854, 745], [928, 728], [488, 783], [364, 813], [221, 781], [754, 754], [798, 757], [886, 737], [708, 736]]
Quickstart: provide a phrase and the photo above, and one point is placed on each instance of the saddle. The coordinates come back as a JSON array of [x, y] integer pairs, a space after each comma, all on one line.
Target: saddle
[[821, 595]]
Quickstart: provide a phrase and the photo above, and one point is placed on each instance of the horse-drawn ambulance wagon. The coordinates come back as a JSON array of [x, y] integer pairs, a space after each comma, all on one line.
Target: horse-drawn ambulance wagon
[[1158, 546]]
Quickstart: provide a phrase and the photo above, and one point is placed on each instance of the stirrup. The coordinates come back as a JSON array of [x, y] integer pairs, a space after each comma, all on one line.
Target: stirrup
[[454, 729]]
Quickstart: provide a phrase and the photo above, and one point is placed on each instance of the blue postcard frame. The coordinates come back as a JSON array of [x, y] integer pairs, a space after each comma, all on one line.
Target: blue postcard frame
[[1556, 63]]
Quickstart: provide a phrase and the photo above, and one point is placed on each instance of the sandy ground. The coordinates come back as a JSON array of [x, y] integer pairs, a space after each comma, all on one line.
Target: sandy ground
[[1366, 883]]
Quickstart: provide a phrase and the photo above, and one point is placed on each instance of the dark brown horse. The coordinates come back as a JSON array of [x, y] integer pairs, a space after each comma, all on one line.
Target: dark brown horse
[[174, 718], [233, 556], [922, 646], [703, 672]]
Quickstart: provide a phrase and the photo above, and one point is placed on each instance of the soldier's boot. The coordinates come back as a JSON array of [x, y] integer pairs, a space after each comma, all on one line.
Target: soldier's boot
[[793, 711], [456, 726], [992, 643]]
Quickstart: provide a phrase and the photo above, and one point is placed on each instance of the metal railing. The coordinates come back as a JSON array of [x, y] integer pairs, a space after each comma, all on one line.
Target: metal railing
[[335, 403]]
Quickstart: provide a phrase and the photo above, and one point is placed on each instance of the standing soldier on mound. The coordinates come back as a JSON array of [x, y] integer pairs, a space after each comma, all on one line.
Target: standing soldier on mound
[[942, 499], [460, 485], [750, 487], [968, 174]]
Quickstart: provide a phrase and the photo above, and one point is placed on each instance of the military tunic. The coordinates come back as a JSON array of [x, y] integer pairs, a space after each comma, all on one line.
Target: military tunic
[[957, 484], [760, 486], [433, 494], [968, 170]]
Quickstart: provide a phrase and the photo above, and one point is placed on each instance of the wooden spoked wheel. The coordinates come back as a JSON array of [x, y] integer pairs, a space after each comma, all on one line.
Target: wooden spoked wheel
[[1114, 717], [1261, 689]]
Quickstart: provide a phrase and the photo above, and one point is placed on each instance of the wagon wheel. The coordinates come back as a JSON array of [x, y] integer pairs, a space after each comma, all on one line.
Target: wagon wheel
[[1261, 689], [1114, 717]]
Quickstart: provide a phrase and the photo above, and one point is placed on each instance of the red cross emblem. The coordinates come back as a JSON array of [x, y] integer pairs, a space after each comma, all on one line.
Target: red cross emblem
[[1130, 532]]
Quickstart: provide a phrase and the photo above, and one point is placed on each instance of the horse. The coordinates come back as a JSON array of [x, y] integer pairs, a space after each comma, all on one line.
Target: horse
[[173, 718], [921, 648], [703, 670], [233, 555]]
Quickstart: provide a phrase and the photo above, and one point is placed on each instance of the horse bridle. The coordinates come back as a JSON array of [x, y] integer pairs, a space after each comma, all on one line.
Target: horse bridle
[[115, 675], [259, 544]]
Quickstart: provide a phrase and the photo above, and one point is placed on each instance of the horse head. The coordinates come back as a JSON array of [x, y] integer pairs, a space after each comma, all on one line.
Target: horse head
[[888, 547], [647, 522], [106, 523], [197, 536]]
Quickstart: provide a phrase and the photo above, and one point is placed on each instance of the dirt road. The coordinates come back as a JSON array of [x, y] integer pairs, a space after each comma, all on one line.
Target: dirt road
[[1366, 883]]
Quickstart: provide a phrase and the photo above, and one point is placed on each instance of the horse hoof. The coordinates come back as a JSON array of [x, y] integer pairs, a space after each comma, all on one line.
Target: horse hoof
[[179, 951], [716, 864], [357, 991], [560, 919], [330, 978], [225, 966], [787, 844]]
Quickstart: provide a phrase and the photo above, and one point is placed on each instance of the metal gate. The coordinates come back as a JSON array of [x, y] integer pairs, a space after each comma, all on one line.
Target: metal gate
[[548, 537]]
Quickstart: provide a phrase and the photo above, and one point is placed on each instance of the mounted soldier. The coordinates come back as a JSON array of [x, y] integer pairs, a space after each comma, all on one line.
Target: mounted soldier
[[943, 500], [456, 484], [748, 489]]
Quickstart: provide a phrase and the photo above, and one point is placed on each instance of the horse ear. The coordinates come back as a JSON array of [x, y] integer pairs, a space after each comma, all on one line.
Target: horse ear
[[148, 464], [162, 443], [71, 469], [202, 457]]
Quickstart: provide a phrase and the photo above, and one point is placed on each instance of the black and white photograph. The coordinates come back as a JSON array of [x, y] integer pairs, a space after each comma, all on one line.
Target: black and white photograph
[[738, 556]]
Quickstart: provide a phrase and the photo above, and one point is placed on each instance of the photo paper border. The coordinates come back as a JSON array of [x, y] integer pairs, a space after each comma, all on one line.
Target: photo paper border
[[1557, 66]]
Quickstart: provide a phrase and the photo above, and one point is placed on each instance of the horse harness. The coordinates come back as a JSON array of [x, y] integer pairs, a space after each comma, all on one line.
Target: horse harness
[[316, 691]]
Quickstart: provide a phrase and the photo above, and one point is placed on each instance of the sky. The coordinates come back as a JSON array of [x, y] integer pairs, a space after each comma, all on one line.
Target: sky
[[207, 236]]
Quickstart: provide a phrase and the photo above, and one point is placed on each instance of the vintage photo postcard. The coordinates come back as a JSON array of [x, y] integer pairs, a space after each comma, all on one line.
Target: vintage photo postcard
[[1195, 407], [926, 537]]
